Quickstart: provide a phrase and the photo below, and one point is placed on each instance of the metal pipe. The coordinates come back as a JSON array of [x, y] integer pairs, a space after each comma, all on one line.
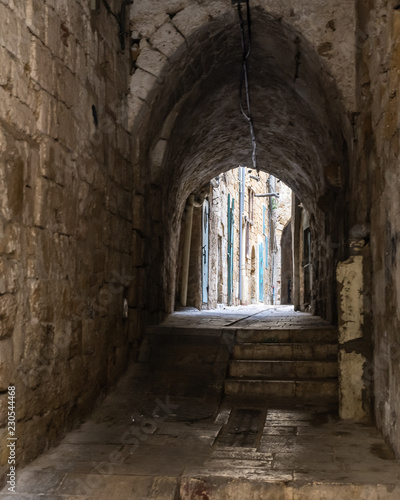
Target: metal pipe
[[267, 195], [242, 186], [186, 250]]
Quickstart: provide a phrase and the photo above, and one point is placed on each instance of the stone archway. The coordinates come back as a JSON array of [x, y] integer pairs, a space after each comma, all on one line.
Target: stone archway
[[193, 131]]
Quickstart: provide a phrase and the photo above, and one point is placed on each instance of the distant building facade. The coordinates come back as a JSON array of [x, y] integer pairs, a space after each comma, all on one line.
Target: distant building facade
[[236, 229]]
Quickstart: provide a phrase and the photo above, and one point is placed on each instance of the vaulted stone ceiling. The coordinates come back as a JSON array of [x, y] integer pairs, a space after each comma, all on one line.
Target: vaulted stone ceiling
[[296, 109], [194, 129]]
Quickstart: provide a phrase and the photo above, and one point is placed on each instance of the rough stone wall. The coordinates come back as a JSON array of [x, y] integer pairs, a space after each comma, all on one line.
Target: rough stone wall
[[194, 295], [378, 201], [301, 284], [217, 244], [65, 214], [328, 25], [287, 265], [195, 269]]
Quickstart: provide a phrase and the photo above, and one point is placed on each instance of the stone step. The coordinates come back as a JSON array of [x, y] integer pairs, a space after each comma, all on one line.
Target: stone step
[[304, 389], [318, 335], [286, 352], [283, 369]]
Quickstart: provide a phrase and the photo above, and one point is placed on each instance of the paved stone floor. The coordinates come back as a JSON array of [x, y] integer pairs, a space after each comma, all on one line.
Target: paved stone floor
[[138, 445], [254, 316]]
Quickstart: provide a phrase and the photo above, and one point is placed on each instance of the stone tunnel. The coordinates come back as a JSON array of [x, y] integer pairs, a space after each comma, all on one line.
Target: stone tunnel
[[112, 113]]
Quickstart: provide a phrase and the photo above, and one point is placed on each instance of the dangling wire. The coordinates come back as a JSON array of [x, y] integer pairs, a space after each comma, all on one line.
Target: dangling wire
[[244, 78]]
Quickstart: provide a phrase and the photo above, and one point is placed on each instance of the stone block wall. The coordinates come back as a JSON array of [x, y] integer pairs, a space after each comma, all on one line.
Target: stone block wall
[[287, 265], [284, 214], [189, 362], [195, 263], [378, 200], [66, 183]]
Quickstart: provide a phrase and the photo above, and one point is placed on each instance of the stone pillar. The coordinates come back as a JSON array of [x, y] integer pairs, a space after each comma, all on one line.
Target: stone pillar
[[296, 238], [349, 275], [186, 250]]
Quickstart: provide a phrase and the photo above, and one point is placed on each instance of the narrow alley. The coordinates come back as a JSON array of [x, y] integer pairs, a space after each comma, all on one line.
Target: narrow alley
[[199, 274], [143, 444]]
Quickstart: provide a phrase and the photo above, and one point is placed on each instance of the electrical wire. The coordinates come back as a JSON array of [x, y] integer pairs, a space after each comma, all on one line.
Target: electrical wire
[[108, 9], [120, 18], [244, 78]]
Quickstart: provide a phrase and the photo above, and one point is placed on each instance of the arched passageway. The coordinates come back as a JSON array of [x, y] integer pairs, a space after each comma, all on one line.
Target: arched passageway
[[100, 147], [287, 265], [197, 131]]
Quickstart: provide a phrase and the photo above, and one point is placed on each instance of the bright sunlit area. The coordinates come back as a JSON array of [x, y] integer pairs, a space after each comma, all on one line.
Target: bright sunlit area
[[236, 242]]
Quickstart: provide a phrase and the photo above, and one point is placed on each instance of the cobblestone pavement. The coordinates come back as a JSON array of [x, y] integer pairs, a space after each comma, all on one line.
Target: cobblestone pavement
[[139, 445], [254, 316]]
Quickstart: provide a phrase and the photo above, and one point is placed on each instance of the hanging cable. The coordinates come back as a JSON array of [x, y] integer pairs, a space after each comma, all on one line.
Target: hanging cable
[[244, 78], [120, 18]]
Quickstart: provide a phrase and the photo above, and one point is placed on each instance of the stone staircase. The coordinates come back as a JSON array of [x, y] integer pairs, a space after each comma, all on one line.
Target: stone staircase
[[285, 363]]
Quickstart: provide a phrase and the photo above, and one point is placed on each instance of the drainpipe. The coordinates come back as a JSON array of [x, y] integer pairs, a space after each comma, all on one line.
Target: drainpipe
[[242, 185], [272, 230], [186, 249]]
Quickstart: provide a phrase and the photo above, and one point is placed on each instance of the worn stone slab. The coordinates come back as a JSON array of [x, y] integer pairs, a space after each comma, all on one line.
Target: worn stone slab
[[106, 487], [231, 489], [84, 453], [35, 482], [249, 473], [280, 431], [346, 477], [227, 463], [301, 461], [348, 492], [241, 454], [284, 446], [184, 428], [95, 433]]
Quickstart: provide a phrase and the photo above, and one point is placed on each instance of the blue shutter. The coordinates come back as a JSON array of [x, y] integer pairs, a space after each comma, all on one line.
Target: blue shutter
[[266, 252]]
